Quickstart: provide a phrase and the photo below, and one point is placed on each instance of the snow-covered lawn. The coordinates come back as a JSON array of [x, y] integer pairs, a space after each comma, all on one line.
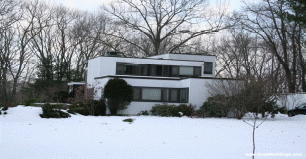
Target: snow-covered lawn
[[23, 134]]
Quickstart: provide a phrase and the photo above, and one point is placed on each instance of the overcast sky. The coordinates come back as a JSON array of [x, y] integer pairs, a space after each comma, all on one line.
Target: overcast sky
[[92, 5]]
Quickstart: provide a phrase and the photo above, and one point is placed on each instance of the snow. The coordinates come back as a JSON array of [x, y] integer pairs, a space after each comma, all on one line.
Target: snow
[[23, 134]]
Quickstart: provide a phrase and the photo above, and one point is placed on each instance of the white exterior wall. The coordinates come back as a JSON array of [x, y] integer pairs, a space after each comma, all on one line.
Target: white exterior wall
[[190, 58], [93, 70], [102, 67], [198, 92]]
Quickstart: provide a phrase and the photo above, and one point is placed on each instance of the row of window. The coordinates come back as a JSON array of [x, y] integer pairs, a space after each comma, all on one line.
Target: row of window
[[162, 70], [175, 95]]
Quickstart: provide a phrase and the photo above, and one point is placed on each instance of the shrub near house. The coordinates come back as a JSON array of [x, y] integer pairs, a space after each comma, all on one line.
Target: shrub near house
[[53, 111], [172, 110], [119, 95], [83, 102]]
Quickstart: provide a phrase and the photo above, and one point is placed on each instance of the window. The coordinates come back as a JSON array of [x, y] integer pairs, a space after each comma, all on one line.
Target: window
[[136, 93], [183, 95], [120, 68], [208, 67], [166, 94], [132, 69], [197, 71], [151, 94], [144, 70], [157, 70], [186, 71], [153, 70], [166, 70], [175, 95], [174, 71]]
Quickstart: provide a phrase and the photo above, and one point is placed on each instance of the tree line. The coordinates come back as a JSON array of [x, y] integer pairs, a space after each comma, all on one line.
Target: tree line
[[43, 45]]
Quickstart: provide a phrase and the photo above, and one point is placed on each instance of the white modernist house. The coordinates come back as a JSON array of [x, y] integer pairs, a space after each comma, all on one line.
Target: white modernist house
[[168, 78]]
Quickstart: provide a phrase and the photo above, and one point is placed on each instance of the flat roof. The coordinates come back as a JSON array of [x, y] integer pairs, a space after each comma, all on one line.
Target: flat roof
[[146, 58], [181, 54], [162, 78]]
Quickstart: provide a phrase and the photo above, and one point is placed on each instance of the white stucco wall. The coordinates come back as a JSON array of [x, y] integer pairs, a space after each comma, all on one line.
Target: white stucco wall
[[104, 66], [101, 67], [93, 70], [198, 92], [189, 57]]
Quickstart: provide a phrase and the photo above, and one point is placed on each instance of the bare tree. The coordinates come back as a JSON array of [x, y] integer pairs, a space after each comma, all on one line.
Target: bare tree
[[253, 122], [6, 55], [86, 36], [267, 19], [8, 13], [159, 21], [22, 54], [62, 45], [42, 44]]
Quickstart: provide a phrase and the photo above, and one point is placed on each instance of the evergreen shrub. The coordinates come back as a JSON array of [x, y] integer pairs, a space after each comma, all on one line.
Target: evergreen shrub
[[53, 111]]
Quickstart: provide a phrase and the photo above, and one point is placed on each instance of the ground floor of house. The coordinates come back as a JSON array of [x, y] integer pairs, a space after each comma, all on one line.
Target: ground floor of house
[[149, 91]]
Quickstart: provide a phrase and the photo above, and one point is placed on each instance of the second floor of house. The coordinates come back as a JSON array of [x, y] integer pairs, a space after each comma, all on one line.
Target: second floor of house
[[166, 65]]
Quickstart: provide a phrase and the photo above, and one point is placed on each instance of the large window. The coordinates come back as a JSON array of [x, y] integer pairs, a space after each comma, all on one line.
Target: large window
[[120, 68], [132, 69], [174, 71], [152, 94], [143, 70], [173, 95], [157, 70], [197, 71], [186, 71], [136, 94], [208, 68], [184, 95]]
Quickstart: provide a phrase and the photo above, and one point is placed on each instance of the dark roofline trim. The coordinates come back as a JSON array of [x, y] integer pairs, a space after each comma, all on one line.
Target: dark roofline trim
[[182, 54], [163, 78], [140, 77], [146, 58]]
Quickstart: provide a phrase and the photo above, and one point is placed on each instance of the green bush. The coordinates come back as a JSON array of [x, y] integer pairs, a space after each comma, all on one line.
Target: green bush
[[269, 107], [216, 106], [29, 102], [53, 111], [172, 110], [282, 110], [187, 110], [143, 112], [79, 110], [61, 97], [119, 95], [130, 120], [99, 107], [4, 108]]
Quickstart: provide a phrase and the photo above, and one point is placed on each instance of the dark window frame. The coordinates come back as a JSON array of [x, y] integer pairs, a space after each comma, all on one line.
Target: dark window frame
[[211, 68], [154, 70], [195, 72], [162, 94]]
